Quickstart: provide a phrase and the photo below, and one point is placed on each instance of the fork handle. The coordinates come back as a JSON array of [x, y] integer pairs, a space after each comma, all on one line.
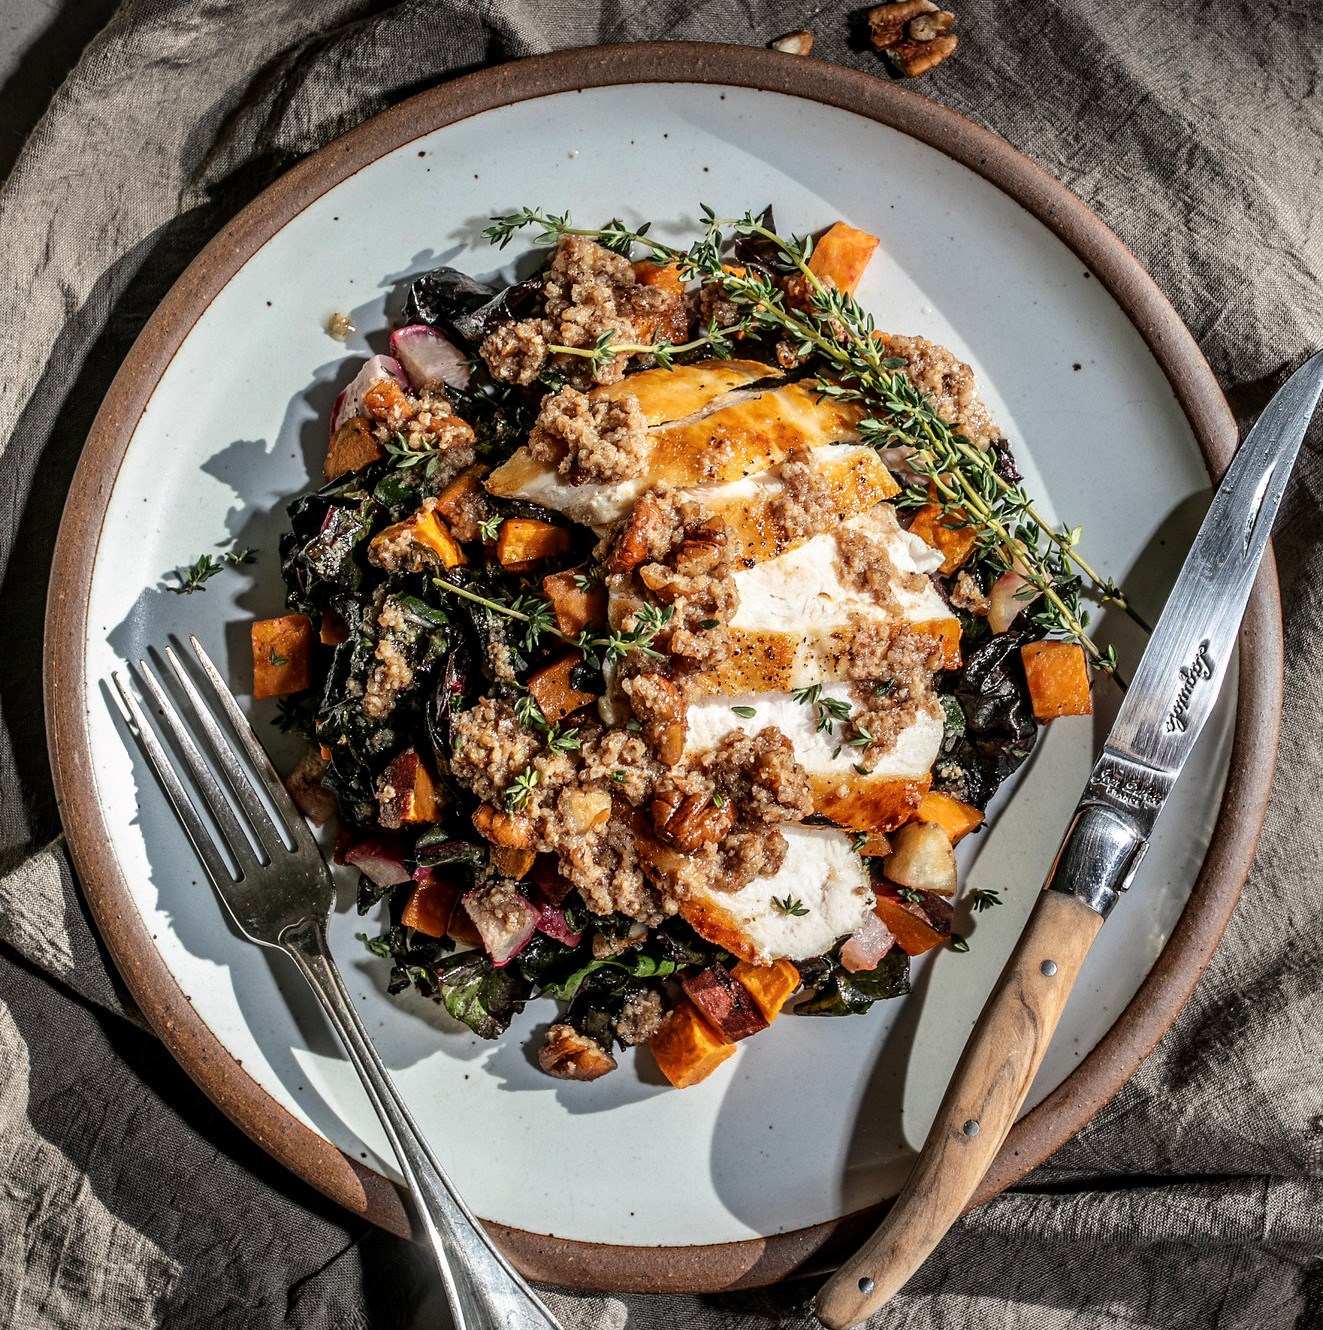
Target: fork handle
[[483, 1289]]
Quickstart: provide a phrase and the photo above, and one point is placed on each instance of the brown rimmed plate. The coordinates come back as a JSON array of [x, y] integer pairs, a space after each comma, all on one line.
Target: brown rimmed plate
[[217, 417]]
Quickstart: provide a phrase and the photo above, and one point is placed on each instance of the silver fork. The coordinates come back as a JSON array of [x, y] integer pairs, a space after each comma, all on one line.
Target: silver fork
[[281, 896]]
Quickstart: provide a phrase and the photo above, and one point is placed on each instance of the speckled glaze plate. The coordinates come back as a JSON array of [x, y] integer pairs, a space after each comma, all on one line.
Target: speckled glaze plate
[[218, 418]]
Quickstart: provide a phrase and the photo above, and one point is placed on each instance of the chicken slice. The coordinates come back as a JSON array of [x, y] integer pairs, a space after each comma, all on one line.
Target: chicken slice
[[823, 882]]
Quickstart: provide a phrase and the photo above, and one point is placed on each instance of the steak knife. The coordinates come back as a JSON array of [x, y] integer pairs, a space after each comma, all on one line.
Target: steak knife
[[1168, 702]]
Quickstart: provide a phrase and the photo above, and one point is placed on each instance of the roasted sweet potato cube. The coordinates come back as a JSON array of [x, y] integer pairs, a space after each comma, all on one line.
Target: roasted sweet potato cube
[[664, 276], [944, 635], [687, 1048], [386, 401], [512, 830], [523, 542], [554, 693], [770, 986], [574, 607], [463, 503], [332, 630], [842, 255], [728, 1006], [431, 906], [406, 792], [352, 448], [425, 530], [955, 817], [1058, 678], [916, 926], [953, 539], [282, 655], [511, 862]]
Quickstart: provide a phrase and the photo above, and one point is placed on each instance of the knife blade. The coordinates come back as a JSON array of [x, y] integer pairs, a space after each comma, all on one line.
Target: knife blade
[[1166, 706]]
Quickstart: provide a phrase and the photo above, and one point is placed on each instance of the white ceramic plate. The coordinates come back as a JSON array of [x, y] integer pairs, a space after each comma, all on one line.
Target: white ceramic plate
[[816, 1118]]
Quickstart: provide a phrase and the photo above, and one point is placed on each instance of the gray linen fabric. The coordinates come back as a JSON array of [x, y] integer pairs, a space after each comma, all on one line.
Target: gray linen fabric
[[126, 1200]]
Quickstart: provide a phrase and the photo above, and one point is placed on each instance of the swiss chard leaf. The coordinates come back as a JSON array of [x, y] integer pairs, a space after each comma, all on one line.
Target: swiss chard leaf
[[846, 994], [475, 991]]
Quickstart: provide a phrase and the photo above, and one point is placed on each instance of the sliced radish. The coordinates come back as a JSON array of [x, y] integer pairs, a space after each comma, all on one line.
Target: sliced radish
[[551, 921], [429, 358], [503, 939], [350, 402], [865, 950], [1006, 601], [380, 860]]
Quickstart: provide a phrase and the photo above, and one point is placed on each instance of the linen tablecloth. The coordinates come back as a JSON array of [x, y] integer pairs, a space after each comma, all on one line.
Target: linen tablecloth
[[1195, 130]]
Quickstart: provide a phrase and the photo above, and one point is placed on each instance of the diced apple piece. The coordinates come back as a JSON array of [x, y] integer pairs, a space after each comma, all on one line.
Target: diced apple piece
[[430, 907], [429, 358], [380, 859], [503, 918], [523, 542], [1058, 678], [352, 448], [922, 858], [954, 816], [406, 792], [728, 1006], [282, 655], [770, 986], [574, 607], [554, 693], [687, 1048], [867, 947]]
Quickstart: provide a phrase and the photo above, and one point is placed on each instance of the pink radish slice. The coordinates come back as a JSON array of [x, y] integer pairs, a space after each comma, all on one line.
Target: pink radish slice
[[1003, 604], [551, 921], [503, 941], [868, 946], [381, 861], [350, 402], [429, 358]]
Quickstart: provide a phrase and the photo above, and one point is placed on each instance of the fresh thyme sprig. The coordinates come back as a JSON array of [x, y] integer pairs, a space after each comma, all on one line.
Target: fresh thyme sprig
[[599, 650], [606, 348], [206, 566], [983, 898], [1012, 534], [521, 790], [529, 715], [791, 905], [829, 709]]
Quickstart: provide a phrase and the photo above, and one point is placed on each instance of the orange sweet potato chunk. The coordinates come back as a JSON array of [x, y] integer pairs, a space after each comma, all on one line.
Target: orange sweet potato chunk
[[955, 817], [1058, 678], [424, 528], [575, 609], [954, 542], [687, 1048], [665, 276], [554, 693], [770, 986], [524, 541], [430, 907], [463, 503], [842, 255], [352, 448], [282, 655], [914, 933]]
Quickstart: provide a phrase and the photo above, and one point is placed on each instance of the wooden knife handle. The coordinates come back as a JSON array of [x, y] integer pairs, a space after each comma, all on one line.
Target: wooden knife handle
[[993, 1076]]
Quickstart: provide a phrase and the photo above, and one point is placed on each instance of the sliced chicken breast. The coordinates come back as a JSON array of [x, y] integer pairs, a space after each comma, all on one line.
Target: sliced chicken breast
[[877, 802], [821, 872]]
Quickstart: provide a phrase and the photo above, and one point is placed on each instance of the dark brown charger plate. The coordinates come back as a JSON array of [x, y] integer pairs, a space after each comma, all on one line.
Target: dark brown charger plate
[[587, 1265]]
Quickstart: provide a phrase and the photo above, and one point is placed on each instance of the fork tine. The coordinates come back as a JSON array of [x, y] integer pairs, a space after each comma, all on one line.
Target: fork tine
[[268, 833], [231, 828], [212, 860], [275, 787]]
